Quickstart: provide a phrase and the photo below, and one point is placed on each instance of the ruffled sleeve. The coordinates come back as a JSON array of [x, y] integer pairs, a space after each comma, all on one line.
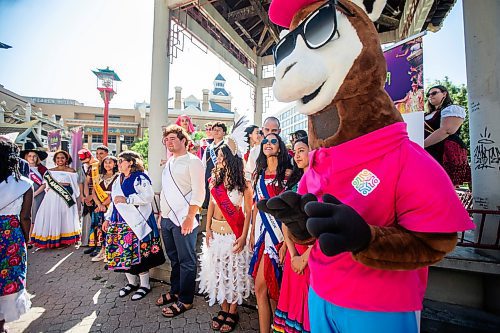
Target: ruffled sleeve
[[453, 111]]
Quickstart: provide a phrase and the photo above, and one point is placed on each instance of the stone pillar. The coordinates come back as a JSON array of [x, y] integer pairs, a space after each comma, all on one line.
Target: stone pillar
[[482, 49], [205, 105], [258, 99], [178, 98], [27, 112], [158, 115]]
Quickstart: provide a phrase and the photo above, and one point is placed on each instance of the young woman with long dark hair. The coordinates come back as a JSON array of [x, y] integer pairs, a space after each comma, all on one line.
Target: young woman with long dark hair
[[57, 222], [224, 253], [292, 312], [270, 178], [442, 140]]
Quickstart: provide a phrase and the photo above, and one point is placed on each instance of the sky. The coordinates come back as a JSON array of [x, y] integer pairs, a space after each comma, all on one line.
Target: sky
[[56, 44]]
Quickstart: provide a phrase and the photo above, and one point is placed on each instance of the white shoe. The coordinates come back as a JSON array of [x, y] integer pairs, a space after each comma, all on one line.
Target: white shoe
[[100, 256]]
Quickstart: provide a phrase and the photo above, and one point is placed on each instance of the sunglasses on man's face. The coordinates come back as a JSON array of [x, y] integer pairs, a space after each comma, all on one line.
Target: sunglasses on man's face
[[434, 93], [316, 30], [272, 141]]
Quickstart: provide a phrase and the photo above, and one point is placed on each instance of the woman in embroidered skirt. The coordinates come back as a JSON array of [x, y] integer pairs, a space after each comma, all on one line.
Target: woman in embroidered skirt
[[15, 221], [273, 167], [292, 312], [57, 222], [132, 247], [225, 256]]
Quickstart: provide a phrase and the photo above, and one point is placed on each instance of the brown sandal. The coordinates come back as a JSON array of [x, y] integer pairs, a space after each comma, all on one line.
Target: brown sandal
[[219, 321], [167, 300], [235, 318], [175, 311]]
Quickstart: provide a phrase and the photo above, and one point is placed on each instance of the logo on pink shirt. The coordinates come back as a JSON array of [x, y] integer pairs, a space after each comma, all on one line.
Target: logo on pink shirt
[[365, 182]]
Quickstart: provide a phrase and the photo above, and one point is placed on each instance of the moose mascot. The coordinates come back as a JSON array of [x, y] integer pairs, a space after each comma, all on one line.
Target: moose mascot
[[376, 207]]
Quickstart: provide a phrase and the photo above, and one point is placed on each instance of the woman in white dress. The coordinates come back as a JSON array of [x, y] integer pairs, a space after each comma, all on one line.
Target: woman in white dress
[[225, 257], [15, 220], [57, 223]]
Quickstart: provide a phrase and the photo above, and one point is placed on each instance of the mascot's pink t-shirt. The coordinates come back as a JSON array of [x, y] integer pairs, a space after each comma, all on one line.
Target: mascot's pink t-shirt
[[386, 178]]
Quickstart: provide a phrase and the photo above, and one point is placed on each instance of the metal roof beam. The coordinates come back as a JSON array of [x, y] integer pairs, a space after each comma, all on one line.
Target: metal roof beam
[[212, 13], [197, 30], [241, 14]]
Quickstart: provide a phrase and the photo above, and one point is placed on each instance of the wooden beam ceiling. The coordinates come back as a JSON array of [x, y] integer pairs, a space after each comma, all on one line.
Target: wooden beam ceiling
[[241, 14], [273, 31]]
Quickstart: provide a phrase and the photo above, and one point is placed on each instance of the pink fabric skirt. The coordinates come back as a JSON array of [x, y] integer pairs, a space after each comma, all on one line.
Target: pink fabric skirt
[[292, 312]]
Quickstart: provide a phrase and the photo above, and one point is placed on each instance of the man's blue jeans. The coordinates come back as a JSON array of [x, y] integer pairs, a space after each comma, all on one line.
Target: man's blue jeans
[[181, 250]]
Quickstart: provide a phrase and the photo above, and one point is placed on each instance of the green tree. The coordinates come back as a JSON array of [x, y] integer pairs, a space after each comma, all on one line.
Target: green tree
[[141, 146], [458, 94]]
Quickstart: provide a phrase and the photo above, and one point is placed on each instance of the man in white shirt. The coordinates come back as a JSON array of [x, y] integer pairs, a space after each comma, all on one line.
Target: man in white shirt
[[183, 192]]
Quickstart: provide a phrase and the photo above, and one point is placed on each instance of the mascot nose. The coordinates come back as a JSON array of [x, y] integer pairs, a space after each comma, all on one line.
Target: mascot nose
[[288, 68]]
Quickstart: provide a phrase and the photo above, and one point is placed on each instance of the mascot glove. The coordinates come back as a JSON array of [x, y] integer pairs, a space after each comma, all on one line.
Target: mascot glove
[[288, 207], [338, 227]]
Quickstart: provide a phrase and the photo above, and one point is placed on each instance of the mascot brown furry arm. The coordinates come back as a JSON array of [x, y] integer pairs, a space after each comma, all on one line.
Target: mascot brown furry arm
[[376, 206]]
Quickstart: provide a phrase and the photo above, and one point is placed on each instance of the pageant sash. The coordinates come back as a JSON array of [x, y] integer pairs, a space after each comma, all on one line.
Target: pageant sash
[[135, 219], [99, 191], [36, 177], [12, 189], [234, 216], [273, 226], [176, 200], [213, 157], [59, 189]]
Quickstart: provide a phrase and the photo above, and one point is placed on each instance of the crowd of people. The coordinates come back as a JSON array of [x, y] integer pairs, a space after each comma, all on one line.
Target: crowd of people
[[209, 186]]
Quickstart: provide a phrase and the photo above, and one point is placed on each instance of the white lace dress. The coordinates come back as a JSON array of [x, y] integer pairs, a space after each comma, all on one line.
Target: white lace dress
[[224, 274]]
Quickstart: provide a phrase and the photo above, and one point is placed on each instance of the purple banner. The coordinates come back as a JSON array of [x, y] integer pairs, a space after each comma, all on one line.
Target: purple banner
[[404, 82], [76, 145], [54, 139]]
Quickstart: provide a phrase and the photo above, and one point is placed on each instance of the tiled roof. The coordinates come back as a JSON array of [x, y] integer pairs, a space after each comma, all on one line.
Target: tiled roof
[[218, 108]]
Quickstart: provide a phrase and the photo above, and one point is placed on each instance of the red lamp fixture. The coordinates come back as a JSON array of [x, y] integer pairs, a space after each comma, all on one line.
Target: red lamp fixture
[[106, 84]]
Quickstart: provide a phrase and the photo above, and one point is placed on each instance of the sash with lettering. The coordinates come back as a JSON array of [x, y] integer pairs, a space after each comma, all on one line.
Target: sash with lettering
[[211, 151], [136, 218], [273, 226], [59, 189], [35, 176], [177, 201], [12, 189], [234, 216], [99, 191]]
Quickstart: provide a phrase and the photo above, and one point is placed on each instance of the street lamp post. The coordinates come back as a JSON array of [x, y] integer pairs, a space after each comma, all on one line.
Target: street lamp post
[[106, 84]]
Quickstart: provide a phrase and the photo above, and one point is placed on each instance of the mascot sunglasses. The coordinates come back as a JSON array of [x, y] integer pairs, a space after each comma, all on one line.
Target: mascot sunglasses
[[316, 30]]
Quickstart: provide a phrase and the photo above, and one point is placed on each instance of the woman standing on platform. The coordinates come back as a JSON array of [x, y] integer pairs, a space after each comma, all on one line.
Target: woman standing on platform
[[292, 312], [15, 221], [273, 169], [133, 243], [225, 257], [57, 221]]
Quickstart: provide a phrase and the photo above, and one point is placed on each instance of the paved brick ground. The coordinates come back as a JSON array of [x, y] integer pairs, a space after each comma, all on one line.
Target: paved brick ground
[[71, 293]]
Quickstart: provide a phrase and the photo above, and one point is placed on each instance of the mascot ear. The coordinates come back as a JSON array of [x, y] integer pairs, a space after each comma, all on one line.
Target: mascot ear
[[372, 7]]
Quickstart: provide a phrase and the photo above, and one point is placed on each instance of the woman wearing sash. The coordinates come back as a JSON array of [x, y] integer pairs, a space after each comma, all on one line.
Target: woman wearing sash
[[225, 257], [108, 172], [273, 168], [57, 222], [292, 312], [37, 171], [133, 243], [15, 221]]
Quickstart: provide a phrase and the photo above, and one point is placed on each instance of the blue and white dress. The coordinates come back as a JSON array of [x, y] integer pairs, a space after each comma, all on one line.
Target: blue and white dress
[[125, 252]]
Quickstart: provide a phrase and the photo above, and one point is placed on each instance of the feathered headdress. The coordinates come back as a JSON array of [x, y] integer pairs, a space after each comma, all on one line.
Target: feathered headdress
[[236, 140]]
